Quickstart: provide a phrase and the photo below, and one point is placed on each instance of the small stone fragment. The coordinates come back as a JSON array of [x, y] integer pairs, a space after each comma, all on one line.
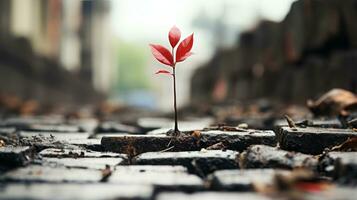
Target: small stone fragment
[[117, 128], [76, 153], [169, 180], [262, 156], [11, 156], [37, 173], [242, 180], [312, 140], [341, 165], [233, 140], [151, 168], [60, 136], [198, 162], [83, 163]]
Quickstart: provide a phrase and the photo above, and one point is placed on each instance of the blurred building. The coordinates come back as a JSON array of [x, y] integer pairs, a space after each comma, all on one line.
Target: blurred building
[[70, 37], [311, 51]]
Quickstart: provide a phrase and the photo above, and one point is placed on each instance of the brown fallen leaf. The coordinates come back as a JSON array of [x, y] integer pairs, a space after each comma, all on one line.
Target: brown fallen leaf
[[196, 134], [349, 145], [334, 102]]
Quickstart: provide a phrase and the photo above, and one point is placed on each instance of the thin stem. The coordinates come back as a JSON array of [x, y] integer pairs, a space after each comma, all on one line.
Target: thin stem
[[176, 130], [175, 106]]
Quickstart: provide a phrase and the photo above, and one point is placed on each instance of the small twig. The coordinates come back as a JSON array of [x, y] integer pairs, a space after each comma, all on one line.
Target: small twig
[[291, 122], [168, 149], [168, 144]]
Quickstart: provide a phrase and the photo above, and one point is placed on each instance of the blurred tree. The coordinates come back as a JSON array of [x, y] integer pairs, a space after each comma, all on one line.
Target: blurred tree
[[131, 67]]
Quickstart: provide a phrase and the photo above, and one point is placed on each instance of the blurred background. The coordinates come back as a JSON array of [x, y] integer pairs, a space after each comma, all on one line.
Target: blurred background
[[61, 54]]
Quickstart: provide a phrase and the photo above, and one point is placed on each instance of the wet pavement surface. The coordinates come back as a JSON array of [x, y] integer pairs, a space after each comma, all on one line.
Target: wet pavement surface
[[52, 158]]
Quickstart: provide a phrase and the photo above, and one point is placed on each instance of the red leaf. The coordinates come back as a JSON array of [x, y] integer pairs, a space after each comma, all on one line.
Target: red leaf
[[162, 71], [174, 36], [162, 54], [186, 56], [184, 48]]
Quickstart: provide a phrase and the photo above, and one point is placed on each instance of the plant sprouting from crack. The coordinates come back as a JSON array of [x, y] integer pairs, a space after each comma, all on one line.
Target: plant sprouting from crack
[[170, 59]]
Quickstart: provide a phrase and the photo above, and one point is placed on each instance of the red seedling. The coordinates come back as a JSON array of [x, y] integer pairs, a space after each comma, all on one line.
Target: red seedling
[[170, 59]]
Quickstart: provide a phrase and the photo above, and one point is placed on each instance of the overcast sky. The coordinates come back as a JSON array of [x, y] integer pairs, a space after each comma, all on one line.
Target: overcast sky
[[141, 19]]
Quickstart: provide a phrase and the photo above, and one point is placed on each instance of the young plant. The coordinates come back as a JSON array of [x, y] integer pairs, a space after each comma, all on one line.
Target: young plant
[[170, 59]]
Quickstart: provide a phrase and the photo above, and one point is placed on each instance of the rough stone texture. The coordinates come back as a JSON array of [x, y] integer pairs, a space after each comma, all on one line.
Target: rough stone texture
[[237, 141], [37, 173], [150, 168], [78, 153], [210, 196], [83, 163], [136, 144], [70, 191], [261, 156], [37, 142], [87, 163], [341, 165], [312, 140], [198, 162], [167, 181], [15, 156], [51, 128], [7, 130], [242, 180], [89, 143], [54, 123], [19, 122], [319, 123], [61, 136]]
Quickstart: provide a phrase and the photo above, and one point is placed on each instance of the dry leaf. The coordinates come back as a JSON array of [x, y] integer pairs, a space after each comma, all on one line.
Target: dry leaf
[[334, 102], [196, 134]]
